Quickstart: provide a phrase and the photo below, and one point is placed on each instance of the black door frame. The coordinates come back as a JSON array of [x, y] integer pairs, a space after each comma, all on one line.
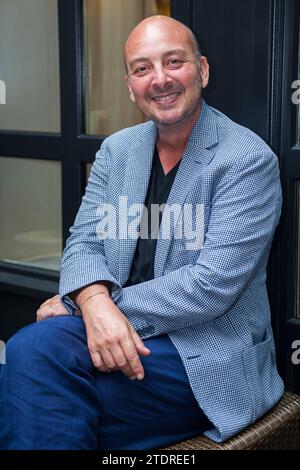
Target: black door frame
[[288, 276]]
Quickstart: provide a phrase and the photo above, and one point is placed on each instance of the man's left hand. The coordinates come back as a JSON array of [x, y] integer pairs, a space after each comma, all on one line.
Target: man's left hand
[[51, 308]]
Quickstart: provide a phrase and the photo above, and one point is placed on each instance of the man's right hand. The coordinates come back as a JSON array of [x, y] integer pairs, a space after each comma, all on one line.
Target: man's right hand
[[112, 341]]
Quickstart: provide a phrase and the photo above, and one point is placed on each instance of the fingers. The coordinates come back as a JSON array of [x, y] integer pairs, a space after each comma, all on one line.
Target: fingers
[[112, 341], [98, 362], [108, 359], [123, 363], [141, 348], [132, 358], [47, 312], [123, 357], [51, 308]]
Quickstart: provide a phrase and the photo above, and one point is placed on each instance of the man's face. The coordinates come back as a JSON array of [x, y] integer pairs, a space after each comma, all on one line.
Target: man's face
[[164, 74]]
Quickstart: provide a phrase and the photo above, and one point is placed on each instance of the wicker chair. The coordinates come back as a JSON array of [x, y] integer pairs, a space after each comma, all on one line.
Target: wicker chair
[[277, 430]]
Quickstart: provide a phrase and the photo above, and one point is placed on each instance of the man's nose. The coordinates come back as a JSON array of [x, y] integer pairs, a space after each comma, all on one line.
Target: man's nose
[[160, 77]]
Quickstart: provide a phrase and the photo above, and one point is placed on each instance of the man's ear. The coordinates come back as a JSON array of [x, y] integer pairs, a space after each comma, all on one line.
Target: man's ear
[[204, 71], [131, 95]]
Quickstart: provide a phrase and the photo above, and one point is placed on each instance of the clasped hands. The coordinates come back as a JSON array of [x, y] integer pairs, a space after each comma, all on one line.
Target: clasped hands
[[112, 341]]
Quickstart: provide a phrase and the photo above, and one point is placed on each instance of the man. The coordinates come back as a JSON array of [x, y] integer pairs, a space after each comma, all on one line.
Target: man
[[181, 310]]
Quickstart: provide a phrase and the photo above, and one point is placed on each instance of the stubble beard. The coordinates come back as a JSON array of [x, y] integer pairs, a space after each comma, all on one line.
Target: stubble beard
[[188, 111]]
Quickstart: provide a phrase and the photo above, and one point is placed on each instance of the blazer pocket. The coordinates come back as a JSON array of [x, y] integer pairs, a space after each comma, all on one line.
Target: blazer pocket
[[261, 374]]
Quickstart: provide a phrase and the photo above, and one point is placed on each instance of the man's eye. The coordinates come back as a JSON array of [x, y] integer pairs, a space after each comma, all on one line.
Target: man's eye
[[174, 62], [142, 70]]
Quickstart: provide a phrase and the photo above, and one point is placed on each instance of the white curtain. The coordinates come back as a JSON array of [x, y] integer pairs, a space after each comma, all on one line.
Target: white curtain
[[29, 65], [107, 25]]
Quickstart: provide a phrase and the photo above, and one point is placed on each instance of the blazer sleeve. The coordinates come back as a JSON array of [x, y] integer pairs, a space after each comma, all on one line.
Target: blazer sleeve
[[83, 260], [245, 210]]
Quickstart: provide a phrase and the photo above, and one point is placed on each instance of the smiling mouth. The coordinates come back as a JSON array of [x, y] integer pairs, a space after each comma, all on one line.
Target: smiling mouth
[[166, 98]]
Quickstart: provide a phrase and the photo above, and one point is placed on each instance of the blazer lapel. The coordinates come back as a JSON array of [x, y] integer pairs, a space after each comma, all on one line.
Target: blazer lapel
[[134, 192], [198, 153]]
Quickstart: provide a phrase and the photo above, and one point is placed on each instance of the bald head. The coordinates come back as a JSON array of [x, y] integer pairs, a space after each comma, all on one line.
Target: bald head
[[165, 72], [152, 28]]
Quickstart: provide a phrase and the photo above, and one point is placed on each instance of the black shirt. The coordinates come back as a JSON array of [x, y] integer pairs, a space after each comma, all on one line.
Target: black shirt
[[142, 268]]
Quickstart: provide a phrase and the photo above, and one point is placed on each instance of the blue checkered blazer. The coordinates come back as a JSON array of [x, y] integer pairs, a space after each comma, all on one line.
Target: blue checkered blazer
[[212, 301]]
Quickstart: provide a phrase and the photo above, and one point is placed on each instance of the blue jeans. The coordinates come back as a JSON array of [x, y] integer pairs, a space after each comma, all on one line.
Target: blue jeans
[[52, 397]]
